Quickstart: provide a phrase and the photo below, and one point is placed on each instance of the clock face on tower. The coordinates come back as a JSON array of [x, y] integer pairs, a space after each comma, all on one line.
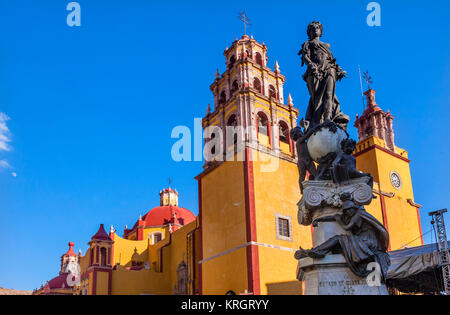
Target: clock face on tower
[[396, 181]]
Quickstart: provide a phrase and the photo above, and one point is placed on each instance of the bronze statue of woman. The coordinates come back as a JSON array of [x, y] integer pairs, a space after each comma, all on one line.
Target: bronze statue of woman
[[321, 76]]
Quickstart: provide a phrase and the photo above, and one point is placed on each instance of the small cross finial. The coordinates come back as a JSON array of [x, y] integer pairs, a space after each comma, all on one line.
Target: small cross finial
[[367, 78], [244, 18], [170, 181]]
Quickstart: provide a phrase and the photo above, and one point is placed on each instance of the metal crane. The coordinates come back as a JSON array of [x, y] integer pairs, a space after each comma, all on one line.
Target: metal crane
[[438, 221]]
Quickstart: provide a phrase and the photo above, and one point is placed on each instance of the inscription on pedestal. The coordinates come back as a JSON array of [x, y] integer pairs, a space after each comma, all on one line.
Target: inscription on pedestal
[[344, 286]]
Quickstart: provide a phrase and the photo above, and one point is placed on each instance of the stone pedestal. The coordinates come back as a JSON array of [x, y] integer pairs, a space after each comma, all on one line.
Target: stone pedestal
[[331, 276]]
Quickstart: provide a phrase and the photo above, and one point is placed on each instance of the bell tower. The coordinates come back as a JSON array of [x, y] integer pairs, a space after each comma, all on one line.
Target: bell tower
[[69, 260], [100, 266], [377, 154], [248, 189]]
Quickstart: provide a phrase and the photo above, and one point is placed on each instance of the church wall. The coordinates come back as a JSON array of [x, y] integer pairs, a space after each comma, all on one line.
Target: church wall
[[365, 161], [277, 193], [225, 273], [102, 282], [403, 223], [387, 163], [133, 282], [375, 207], [223, 208], [278, 272], [175, 252], [124, 249], [223, 229], [84, 261], [400, 218]]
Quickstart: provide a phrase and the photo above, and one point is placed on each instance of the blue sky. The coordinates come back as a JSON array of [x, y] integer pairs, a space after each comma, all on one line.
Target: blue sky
[[92, 108]]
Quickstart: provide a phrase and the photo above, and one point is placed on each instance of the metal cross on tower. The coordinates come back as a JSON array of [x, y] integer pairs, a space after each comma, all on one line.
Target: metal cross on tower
[[438, 221], [367, 78], [245, 20]]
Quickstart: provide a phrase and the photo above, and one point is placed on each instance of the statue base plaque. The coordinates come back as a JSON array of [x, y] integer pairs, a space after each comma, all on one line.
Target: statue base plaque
[[331, 276]]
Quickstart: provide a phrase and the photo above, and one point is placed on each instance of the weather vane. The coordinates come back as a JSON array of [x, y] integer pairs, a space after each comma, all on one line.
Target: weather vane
[[367, 78], [245, 20]]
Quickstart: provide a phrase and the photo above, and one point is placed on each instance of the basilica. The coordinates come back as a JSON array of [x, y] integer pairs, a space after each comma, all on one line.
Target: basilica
[[246, 233]]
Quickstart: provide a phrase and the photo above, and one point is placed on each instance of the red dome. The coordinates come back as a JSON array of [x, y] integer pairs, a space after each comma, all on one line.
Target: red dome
[[165, 214], [59, 282]]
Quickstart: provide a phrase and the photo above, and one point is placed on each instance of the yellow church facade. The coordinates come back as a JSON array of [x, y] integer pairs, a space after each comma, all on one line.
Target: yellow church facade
[[246, 232]]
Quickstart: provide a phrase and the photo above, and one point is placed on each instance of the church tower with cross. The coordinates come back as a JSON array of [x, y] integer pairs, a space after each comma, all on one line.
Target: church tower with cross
[[377, 154], [248, 189]]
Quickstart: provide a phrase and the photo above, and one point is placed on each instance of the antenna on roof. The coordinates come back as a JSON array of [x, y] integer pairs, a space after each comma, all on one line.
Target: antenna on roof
[[360, 82]]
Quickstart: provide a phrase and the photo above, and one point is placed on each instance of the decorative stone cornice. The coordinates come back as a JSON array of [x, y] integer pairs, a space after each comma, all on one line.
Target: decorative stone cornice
[[412, 203]]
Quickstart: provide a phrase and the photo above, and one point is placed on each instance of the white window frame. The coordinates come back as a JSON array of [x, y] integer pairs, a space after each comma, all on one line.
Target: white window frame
[[277, 231]]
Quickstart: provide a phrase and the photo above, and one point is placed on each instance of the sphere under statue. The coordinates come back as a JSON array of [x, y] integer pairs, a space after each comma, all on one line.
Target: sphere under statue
[[325, 142]]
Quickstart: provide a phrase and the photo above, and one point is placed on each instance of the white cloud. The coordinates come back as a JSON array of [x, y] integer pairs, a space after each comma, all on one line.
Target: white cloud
[[4, 164], [5, 139], [5, 134]]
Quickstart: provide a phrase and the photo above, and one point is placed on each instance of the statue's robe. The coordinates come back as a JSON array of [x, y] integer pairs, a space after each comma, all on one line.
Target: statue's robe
[[370, 243], [323, 103]]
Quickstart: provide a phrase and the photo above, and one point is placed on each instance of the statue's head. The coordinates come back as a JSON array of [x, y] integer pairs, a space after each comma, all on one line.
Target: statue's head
[[295, 133], [315, 29], [348, 146], [348, 205]]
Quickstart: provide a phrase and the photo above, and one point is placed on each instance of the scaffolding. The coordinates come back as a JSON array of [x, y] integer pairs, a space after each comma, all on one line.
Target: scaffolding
[[438, 221]]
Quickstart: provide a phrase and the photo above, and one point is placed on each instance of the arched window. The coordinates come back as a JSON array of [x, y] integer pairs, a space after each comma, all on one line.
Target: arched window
[[103, 256], [222, 98], [263, 124], [231, 62], [213, 149], [284, 132], [157, 237], [257, 85], [272, 91], [259, 59], [232, 122], [234, 87]]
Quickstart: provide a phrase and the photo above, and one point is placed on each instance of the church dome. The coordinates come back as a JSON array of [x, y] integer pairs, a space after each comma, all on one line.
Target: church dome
[[167, 214], [59, 282], [163, 215]]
